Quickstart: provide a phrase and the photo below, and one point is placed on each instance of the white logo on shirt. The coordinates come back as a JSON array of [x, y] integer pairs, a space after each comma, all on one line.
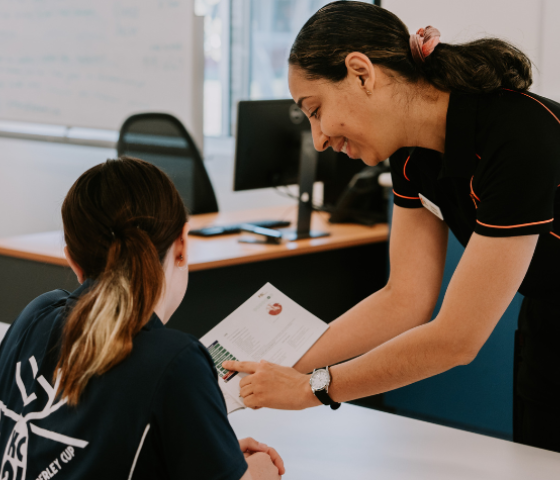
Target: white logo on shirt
[[14, 461]]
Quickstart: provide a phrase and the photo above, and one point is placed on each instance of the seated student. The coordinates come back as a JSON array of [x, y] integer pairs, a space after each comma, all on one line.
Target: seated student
[[91, 383]]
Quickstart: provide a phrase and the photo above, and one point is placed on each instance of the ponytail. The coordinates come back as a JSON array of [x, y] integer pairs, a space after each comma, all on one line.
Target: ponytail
[[342, 27], [481, 66], [118, 231]]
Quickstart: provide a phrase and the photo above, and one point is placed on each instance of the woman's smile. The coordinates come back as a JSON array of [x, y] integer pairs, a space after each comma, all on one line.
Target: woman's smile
[[341, 145], [344, 148], [349, 151]]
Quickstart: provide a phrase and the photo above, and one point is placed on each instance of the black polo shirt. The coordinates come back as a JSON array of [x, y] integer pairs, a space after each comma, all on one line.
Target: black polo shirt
[[159, 414], [499, 176]]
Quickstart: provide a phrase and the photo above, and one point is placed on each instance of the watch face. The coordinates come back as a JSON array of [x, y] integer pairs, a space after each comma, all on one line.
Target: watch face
[[319, 380]]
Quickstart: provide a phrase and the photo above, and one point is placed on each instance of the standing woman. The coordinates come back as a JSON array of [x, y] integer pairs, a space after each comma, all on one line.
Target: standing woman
[[91, 383], [472, 152]]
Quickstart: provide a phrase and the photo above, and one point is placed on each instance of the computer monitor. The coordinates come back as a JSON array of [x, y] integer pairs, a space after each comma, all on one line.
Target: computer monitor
[[274, 148]]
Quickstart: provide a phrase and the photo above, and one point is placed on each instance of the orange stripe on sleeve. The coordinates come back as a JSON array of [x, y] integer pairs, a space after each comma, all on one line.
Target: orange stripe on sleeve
[[542, 104], [404, 169], [514, 226], [472, 191], [554, 235], [408, 198]]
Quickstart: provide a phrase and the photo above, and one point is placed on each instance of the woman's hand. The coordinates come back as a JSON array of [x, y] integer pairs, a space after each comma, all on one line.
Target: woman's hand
[[249, 446], [270, 385]]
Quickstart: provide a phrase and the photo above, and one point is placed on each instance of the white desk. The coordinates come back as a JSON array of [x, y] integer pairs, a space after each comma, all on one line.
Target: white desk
[[356, 443]]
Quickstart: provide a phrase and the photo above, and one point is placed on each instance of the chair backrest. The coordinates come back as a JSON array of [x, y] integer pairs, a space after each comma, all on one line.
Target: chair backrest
[[162, 139]]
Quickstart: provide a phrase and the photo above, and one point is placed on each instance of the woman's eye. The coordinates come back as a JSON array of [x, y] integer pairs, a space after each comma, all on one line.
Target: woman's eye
[[314, 114]]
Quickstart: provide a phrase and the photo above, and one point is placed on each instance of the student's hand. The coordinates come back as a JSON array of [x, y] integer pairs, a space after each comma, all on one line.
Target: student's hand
[[261, 467], [250, 446], [270, 385]]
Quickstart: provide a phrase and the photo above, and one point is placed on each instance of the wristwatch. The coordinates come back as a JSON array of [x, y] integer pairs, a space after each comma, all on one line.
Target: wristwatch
[[320, 381]]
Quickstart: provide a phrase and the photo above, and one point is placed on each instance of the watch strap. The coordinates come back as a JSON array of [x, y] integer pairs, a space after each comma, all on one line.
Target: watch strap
[[325, 399]]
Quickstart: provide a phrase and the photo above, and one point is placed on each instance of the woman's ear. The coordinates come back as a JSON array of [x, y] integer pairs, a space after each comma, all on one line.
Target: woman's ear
[[361, 71], [74, 266]]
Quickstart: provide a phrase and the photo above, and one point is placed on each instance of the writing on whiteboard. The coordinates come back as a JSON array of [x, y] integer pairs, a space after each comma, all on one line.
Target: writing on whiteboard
[[92, 64]]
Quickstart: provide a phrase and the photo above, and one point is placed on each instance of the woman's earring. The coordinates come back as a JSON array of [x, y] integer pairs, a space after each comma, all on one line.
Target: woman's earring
[[184, 267]]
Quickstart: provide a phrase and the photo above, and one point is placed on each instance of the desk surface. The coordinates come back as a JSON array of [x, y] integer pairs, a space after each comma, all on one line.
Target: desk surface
[[362, 444], [218, 251]]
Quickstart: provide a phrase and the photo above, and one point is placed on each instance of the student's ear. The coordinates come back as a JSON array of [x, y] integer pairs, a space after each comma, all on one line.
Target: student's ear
[[74, 266], [361, 71], [180, 245]]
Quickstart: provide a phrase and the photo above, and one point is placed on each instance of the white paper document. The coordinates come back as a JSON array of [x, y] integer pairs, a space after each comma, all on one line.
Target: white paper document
[[268, 326]]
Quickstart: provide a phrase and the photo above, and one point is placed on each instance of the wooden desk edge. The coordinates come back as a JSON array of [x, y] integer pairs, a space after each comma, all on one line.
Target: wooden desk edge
[[34, 257], [271, 255], [276, 254]]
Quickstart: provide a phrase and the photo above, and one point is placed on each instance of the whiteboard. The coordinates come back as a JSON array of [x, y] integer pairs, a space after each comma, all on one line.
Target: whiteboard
[[93, 63]]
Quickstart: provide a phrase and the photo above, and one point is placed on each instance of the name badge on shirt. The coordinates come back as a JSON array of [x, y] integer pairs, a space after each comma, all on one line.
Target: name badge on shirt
[[431, 206]]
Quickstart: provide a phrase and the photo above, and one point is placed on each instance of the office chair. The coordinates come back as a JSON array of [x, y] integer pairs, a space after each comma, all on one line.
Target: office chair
[[162, 139]]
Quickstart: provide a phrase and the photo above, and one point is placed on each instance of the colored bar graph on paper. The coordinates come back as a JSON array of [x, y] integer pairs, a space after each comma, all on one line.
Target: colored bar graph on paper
[[219, 355]]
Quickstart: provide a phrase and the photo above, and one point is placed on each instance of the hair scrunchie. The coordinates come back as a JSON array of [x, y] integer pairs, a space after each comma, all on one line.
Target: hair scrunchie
[[423, 43]]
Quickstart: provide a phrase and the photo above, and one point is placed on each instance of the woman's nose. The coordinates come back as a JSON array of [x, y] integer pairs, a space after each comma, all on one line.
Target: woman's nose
[[320, 140]]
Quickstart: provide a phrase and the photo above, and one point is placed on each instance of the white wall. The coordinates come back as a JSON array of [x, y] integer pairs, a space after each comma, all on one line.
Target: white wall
[[530, 25], [85, 63], [550, 50], [35, 176]]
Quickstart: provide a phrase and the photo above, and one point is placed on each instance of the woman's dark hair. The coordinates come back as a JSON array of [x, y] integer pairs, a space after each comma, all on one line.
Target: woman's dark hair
[[120, 219], [342, 27]]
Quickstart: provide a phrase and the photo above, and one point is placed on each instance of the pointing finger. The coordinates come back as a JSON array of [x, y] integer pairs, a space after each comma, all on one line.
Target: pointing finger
[[245, 367]]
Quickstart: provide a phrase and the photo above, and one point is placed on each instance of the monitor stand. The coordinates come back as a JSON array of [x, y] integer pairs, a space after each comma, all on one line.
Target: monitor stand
[[307, 172]]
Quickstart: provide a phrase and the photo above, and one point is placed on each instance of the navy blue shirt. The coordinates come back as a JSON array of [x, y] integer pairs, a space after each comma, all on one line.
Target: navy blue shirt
[[159, 414]]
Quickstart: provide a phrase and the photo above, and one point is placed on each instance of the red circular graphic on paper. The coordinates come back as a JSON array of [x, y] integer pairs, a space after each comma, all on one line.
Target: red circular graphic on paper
[[274, 308]]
